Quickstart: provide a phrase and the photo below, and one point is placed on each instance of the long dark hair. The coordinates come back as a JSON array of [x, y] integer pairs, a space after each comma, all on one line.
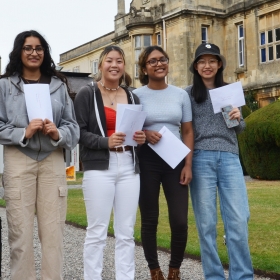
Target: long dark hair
[[15, 64], [199, 91], [144, 79], [125, 79]]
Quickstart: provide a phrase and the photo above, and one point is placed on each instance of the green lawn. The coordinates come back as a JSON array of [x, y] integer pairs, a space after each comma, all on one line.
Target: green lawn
[[264, 225]]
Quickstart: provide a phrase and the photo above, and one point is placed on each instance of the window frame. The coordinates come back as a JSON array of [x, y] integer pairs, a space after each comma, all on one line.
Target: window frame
[[94, 67], [204, 41], [265, 47], [138, 48], [158, 35], [241, 45]]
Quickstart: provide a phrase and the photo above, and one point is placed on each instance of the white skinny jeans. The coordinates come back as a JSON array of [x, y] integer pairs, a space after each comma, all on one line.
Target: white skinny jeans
[[117, 188]]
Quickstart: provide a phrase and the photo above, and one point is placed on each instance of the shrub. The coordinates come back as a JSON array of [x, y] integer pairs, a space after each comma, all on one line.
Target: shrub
[[260, 143], [246, 111]]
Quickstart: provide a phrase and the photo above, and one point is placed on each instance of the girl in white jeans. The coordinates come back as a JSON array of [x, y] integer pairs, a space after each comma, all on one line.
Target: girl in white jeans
[[111, 170]]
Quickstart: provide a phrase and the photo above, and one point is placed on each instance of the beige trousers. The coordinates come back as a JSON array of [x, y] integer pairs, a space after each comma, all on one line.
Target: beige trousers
[[31, 186]]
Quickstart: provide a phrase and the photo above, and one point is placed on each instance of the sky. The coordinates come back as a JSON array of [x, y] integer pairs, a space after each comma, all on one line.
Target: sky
[[65, 24]]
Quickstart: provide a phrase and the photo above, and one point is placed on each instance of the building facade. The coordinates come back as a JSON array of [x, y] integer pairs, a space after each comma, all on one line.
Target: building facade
[[247, 32]]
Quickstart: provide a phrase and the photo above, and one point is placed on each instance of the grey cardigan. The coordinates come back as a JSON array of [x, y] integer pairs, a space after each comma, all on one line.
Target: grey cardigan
[[94, 149], [14, 119]]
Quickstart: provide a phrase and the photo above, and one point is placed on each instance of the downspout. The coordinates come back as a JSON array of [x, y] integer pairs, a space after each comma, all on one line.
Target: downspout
[[164, 32]]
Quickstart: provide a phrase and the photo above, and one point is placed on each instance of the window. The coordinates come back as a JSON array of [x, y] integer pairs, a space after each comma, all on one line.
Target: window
[[140, 42], [204, 34], [76, 69], [270, 45], [240, 45], [158, 39], [94, 67]]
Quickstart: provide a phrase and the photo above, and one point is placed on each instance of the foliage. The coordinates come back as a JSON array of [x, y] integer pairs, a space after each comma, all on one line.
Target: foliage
[[251, 102], [260, 143], [246, 111]]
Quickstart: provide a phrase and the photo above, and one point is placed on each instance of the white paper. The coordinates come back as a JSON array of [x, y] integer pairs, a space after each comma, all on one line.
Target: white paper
[[120, 111], [171, 149], [231, 94], [131, 122], [38, 101]]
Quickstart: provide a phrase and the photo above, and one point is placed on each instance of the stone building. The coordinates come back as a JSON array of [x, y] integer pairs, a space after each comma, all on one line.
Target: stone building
[[247, 31]]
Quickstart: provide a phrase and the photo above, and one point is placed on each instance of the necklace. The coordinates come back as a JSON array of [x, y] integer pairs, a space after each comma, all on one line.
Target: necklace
[[32, 81], [109, 88], [111, 100]]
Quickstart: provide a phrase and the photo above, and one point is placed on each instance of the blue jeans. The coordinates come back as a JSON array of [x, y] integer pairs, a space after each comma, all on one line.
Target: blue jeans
[[221, 171]]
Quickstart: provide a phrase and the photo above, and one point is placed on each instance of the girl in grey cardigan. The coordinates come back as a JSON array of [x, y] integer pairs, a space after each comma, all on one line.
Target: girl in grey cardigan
[[34, 168]]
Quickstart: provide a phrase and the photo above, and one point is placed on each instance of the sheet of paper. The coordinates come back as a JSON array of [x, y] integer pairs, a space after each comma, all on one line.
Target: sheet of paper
[[38, 101], [120, 110], [231, 94], [171, 149], [131, 122]]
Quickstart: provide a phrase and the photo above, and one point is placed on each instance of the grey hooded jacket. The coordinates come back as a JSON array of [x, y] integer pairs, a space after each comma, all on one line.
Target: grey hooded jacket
[[14, 119]]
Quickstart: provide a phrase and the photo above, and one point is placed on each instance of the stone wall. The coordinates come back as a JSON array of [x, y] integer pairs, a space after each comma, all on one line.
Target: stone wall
[[182, 21]]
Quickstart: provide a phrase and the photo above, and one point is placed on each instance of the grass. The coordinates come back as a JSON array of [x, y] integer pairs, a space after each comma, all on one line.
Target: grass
[[264, 225]]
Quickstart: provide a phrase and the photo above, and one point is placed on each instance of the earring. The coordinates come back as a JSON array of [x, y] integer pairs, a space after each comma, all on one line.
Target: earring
[[146, 74]]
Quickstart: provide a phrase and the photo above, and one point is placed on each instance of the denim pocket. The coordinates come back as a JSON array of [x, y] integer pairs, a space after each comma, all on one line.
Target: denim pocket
[[196, 152]]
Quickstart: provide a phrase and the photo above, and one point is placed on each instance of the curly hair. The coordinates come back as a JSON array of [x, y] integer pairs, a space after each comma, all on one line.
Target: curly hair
[[125, 79], [144, 79], [15, 64]]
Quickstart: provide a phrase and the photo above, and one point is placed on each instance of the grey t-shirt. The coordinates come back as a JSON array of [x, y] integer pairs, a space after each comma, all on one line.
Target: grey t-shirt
[[210, 130], [167, 107]]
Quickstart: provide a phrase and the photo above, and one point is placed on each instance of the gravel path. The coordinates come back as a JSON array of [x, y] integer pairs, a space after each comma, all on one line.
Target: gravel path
[[73, 267]]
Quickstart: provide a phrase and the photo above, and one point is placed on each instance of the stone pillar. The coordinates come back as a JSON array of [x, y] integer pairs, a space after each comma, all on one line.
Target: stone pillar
[[121, 7]]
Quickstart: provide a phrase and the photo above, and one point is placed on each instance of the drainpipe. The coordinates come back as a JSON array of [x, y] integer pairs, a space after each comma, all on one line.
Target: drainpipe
[[164, 26], [164, 32]]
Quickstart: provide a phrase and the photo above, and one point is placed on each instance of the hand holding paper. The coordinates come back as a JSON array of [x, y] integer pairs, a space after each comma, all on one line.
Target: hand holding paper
[[171, 149], [129, 121], [231, 94], [33, 127], [38, 101]]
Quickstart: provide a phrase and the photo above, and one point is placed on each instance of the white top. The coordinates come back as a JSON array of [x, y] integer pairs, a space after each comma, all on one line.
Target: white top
[[170, 107]]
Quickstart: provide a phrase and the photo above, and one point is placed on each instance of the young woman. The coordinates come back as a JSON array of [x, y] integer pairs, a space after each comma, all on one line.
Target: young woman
[[216, 168], [34, 169], [169, 106], [111, 178]]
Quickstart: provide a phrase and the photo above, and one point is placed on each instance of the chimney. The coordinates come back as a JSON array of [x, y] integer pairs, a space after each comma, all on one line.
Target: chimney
[[121, 8]]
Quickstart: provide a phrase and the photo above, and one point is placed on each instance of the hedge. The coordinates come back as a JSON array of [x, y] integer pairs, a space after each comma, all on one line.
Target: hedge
[[260, 143]]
